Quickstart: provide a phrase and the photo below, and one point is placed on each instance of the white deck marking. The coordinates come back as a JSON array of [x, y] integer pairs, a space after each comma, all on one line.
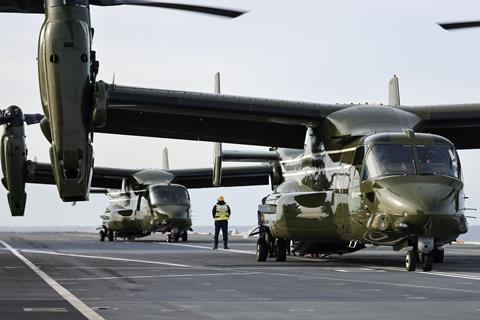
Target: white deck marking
[[165, 276], [209, 248], [64, 293], [108, 258]]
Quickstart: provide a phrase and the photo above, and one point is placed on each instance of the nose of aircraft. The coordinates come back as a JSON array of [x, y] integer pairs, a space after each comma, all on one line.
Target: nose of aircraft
[[428, 202]]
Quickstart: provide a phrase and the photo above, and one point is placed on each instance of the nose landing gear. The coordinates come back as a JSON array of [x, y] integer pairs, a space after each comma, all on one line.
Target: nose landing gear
[[423, 252]]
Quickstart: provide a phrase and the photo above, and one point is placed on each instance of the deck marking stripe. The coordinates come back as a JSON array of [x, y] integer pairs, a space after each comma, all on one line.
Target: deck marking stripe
[[208, 248], [165, 276], [64, 293], [108, 258], [394, 284]]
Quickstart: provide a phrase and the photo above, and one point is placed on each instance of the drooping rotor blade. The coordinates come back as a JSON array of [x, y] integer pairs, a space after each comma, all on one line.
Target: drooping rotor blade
[[22, 6], [33, 118], [228, 13], [460, 25]]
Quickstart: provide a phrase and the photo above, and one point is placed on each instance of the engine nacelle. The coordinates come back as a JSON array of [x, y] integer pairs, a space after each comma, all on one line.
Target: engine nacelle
[[14, 159]]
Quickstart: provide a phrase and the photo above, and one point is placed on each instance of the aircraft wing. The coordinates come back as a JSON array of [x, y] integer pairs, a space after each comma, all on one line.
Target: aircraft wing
[[231, 176], [111, 178], [458, 123], [211, 117]]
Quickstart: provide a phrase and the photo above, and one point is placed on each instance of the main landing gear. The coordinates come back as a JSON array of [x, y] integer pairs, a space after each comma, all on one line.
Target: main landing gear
[[105, 233], [270, 247], [425, 253]]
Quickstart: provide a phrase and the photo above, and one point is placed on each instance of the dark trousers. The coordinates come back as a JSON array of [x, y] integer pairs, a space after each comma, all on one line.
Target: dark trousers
[[223, 224]]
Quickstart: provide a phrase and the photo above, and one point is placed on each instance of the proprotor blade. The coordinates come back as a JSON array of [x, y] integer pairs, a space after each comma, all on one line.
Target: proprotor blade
[[228, 13], [22, 6], [460, 25]]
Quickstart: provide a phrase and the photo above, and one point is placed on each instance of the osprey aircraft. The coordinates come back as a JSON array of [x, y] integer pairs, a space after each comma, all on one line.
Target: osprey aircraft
[[343, 175], [73, 102]]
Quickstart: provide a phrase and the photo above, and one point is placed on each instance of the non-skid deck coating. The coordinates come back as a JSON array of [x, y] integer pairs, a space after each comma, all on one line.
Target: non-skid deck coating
[[152, 279]]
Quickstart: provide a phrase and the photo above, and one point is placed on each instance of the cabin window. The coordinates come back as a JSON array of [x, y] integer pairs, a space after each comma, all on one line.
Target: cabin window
[[438, 159], [389, 159]]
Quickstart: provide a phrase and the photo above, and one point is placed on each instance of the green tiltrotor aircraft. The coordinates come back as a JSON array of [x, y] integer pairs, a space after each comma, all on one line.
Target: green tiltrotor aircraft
[[343, 175]]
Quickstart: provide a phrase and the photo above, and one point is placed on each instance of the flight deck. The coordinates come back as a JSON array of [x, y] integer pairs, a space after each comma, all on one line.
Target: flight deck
[[74, 276]]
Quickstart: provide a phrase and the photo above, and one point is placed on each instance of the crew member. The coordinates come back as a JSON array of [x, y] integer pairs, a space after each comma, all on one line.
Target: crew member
[[221, 214]]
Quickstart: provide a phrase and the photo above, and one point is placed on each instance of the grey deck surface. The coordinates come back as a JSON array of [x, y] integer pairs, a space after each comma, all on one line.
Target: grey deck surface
[[152, 279]]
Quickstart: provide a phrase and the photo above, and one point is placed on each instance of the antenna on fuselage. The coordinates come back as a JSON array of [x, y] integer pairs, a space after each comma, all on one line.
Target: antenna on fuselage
[[166, 165], [393, 92], [217, 148]]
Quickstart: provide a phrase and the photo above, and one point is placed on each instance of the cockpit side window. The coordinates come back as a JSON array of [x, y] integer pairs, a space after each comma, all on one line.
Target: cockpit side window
[[438, 159], [358, 157]]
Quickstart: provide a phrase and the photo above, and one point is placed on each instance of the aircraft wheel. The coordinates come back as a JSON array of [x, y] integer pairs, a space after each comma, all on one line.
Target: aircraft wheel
[[169, 238], [262, 249], [411, 260], [270, 245], [281, 250], [102, 235], [184, 236], [110, 235], [438, 254], [427, 262]]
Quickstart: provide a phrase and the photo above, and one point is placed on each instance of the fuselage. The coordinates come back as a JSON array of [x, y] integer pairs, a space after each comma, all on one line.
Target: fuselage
[[383, 189]]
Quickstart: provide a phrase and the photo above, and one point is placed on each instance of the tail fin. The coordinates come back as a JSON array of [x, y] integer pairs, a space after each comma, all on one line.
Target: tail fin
[[166, 165], [393, 92]]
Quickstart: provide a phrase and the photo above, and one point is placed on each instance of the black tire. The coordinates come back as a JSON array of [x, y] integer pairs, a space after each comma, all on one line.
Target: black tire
[[427, 262], [110, 235], [438, 255], [102, 235], [184, 236], [411, 260], [262, 250], [169, 238], [175, 238], [270, 244], [281, 252]]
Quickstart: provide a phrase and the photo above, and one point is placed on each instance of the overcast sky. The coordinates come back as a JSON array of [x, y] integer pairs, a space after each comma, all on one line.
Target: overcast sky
[[319, 51]]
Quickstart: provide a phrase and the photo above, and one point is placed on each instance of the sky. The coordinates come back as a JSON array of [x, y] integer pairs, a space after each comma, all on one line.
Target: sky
[[317, 51]]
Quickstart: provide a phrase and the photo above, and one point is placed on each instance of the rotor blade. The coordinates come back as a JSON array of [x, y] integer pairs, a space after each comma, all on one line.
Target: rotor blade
[[459, 25], [22, 6], [32, 118], [228, 13]]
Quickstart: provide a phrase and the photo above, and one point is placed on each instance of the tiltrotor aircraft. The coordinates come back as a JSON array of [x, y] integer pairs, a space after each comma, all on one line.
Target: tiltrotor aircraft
[[148, 202], [344, 175], [73, 102]]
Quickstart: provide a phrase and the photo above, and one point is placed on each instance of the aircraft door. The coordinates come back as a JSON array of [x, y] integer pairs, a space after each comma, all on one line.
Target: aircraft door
[[354, 202]]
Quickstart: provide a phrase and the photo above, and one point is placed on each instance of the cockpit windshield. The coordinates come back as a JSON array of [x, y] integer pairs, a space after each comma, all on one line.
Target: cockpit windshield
[[399, 159], [437, 159], [389, 159], [168, 194]]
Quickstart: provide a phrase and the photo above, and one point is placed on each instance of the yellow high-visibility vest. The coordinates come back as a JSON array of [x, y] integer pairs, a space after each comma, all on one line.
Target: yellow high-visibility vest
[[221, 212]]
